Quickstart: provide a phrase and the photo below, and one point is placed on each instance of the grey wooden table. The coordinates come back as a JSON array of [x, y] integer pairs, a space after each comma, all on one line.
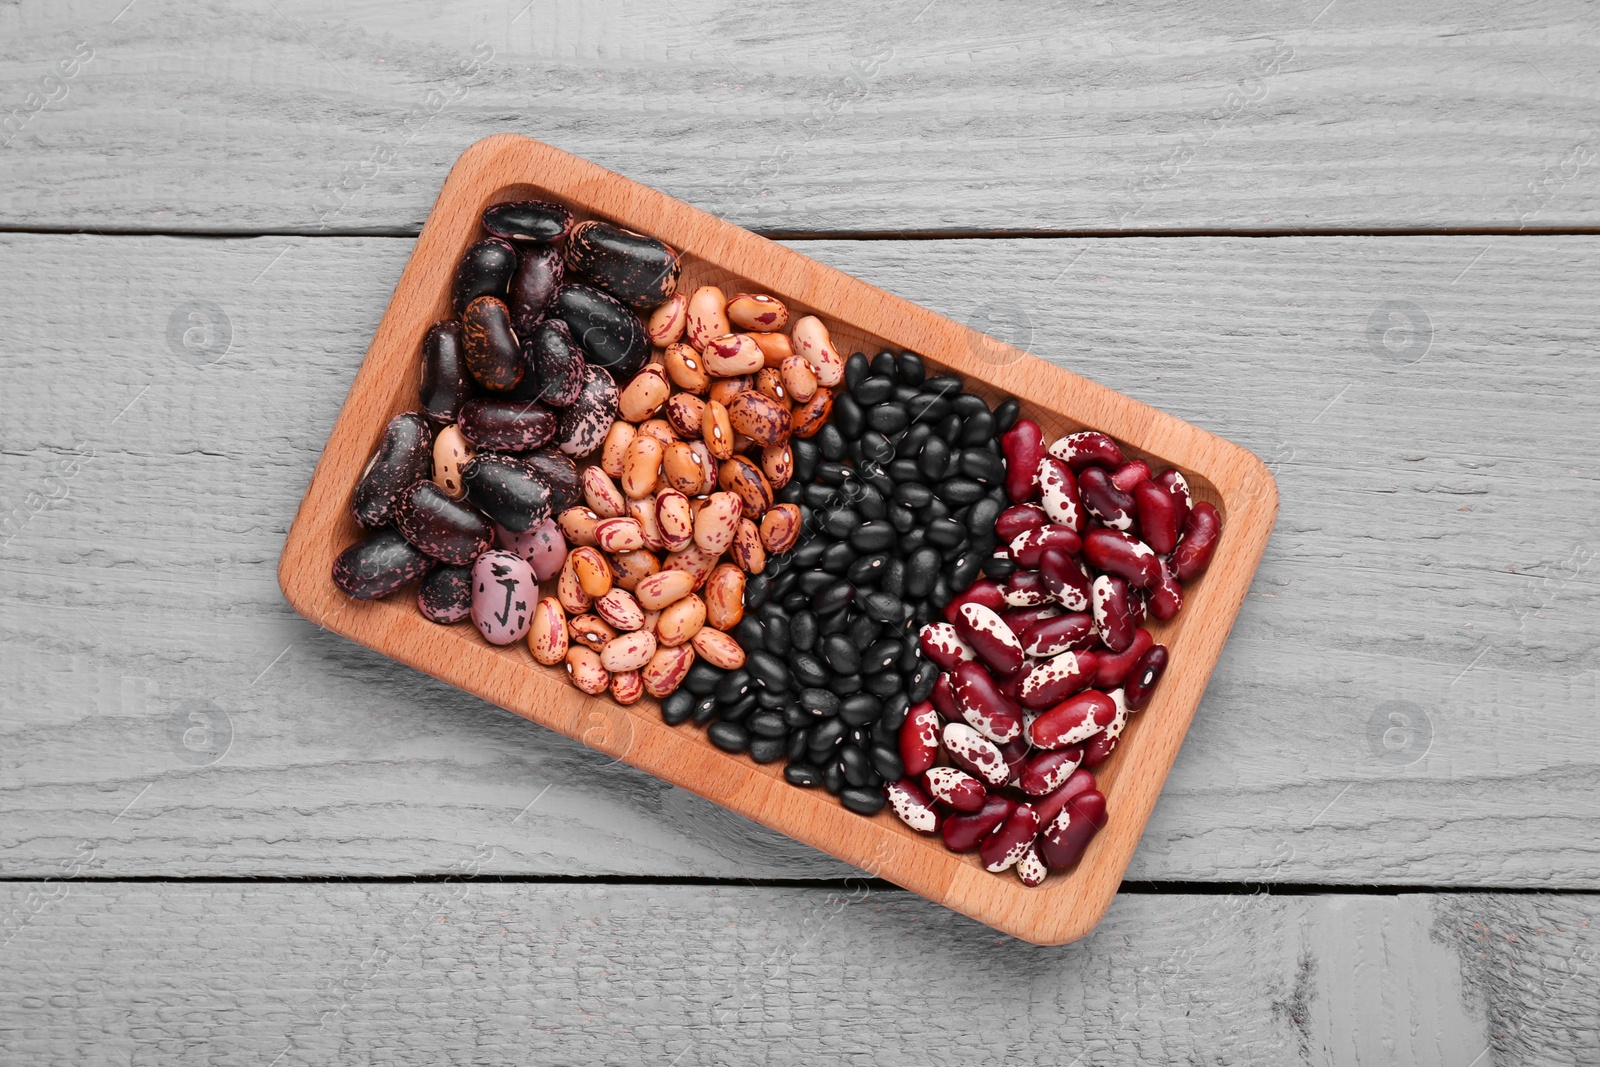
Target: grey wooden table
[[1363, 242]]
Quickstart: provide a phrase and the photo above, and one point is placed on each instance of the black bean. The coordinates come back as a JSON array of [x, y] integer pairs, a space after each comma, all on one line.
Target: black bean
[[922, 682], [883, 365], [934, 458], [968, 404], [833, 778], [845, 684], [881, 685], [872, 390], [983, 466], [945, 385], [884, 607], [858, 710], [833, 597], [856, 369], [862, 801], [767, 749], [877, 476], [881, 655], [903, 470], [856, 765], [827, 733], [771, 699], [912, 495], [945, 533], [933, 509], [927, 407], [999, 568], [913, 440], [887, 418], [873, 536], [728, 736], [876, 447], [818, 495], [895, 709], [841, 523], [959, 491], [911, 369], [980, 519], [902, 519], [747, 631], [704, 711], [803, 775], [757, 591], [838, 558], [893, 581], [738, 712], [702, 678], [849, 417], [820, 702], [977, 429], [807, 454], [767, 669], [941, 592], [768, 724], [870, 502], [796, 601], [734, 686], [912, 541], [784, 583], [865, 571], [795, 749], [836, 622], [775, 630], [830, 442], [803, 631], [807, 555], [677, 707], [886, 761], [1005, 416], [921, 570], [813, 582], [966, 568], [840, 655], [862, 631], [948, 429], [794, 716], [835, 474], [807, 669]]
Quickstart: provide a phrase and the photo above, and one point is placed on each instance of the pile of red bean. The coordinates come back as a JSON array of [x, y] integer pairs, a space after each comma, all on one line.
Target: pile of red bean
[[1043, 668]]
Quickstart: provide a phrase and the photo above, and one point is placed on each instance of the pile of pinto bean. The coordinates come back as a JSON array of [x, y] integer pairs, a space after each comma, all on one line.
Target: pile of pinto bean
[[1042, 670], [850, 565]]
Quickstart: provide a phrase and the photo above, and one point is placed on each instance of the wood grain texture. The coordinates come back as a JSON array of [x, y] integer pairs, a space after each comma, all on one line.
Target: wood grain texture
[[149, 582], [859, 317], [491, 973], [296, 117]]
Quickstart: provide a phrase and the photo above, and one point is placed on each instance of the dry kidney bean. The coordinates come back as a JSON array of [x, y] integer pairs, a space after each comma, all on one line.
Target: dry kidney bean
[[1088, 448], [1010, 840], [402, 458], [1047, 682], [1024, 448], [956, 788], [586, 670], [638, 270], [1017, 520], [507, 425], [1064, 580], [1112, 668], [451, 452], [1061, 633], [1200, 533], [540, 271], [1166, 598], [493, 354], [1045, 772], [974, 753], [988, 635], [507, 490], [1058, 494], [1073, 721], [919, 739], [445, 595], [912, 805], [1104, 501], [1050, 805], [1027, 547], [1178, 488], [1067, 836], [379, 565], [556, 362], [584, 423], [943, 645], [983, 706], [547, 632], [1157, 512], [1145, 676], [1123, 555], [610, 334], [1113, 615], [503, 594], [964, 832]]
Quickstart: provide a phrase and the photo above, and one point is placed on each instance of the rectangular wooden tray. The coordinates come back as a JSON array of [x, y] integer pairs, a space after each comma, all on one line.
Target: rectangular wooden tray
[[861, 318]]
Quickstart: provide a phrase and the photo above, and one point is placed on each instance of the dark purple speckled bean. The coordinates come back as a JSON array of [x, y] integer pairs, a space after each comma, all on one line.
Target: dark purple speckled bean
[[404, 455], [446, 595], [451, 531], [379, 565]]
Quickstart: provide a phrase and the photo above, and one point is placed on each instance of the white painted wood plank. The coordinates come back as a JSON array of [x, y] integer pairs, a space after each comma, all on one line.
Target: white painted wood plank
[[184, 973], [916, 115], [1434, 552]]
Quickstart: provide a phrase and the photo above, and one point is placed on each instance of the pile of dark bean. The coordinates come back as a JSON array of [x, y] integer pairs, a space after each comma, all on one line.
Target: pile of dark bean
[[899, 493]]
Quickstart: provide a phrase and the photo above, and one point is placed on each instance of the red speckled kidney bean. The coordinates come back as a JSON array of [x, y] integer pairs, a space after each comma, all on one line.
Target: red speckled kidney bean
[[1145, 676], [955, 787], [1050, 681], [943, 698], [983, 706], [919, 739], [1098, 749], [1044, 772], [1166, 598], [1028, 546], [1113, 668], [1058, 494], [1113, 615], [964, 832], [1064, 579], [983, 591], [987, 634], [912, 805], [943, 645], [1015, 752], [1018, 519], [1125, 556], [1131, 474], [974, 753], [1088, 448], [1063, 842], [1026, 589], [1158, 516], [1031, 868], [1021, 619], [1199, 540], [1110, 505], [1072, 721], [1063, 633], [1023, 446], [1050, 805], [1006, 845], [1182, 500]]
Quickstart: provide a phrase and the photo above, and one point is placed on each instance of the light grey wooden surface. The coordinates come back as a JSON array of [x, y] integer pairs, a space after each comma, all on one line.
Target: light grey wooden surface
[[465, 972], [1408, 698], [793, 117]]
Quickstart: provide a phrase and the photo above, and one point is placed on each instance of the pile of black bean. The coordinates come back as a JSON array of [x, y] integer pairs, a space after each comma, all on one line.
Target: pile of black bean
[[899, 492]]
